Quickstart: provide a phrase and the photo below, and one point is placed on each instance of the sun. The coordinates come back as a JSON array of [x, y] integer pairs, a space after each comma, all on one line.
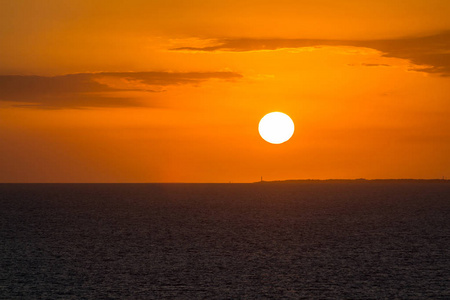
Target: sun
[[276, 127]]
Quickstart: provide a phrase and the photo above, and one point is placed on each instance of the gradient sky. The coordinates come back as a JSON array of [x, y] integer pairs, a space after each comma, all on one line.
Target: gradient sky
[[172, 91]]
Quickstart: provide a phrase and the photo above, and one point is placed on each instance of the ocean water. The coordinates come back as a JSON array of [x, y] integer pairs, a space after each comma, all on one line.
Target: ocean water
[[287, 240]]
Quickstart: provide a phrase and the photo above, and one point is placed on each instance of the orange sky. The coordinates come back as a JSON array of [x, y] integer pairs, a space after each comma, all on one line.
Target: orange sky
[[172, 91]]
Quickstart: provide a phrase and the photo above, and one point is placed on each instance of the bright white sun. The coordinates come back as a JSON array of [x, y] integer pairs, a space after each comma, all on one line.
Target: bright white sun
[[276, 127]]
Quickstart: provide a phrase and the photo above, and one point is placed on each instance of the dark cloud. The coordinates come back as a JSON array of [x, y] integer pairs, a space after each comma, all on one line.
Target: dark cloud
[[430, 54], [375, 65], [95, 89]]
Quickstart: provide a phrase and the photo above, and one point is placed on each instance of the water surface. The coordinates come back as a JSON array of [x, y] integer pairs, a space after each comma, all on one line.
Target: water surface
[[318, 240]]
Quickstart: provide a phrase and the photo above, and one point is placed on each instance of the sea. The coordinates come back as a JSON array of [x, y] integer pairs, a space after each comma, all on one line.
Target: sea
[[332, 239]]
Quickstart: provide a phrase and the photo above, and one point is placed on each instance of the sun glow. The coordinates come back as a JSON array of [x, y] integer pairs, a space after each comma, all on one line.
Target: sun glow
[[276, 127]]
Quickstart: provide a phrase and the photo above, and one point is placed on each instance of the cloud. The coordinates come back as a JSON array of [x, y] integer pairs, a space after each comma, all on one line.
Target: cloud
[[103, 89], [375, 65], [429, 54]]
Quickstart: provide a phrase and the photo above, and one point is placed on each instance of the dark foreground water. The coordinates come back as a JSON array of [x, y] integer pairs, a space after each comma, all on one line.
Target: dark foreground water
[[318, 240]]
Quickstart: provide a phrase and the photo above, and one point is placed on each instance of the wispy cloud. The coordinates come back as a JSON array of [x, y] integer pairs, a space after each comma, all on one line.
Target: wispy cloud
[[429, 54], [103, 89], [375, 65]]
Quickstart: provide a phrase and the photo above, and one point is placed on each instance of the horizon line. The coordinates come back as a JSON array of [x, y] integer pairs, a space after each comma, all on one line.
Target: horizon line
[[249, 182]]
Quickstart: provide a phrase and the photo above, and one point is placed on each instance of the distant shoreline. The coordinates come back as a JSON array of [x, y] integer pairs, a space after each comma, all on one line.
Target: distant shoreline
[[351, 180]]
